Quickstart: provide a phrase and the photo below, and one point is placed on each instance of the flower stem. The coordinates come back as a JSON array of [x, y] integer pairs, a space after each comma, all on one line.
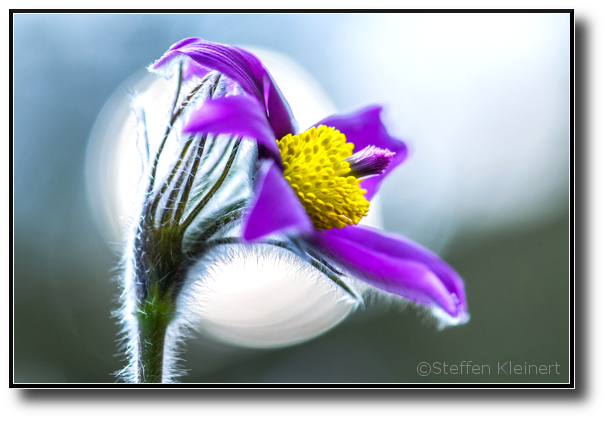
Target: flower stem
[[153, 316]]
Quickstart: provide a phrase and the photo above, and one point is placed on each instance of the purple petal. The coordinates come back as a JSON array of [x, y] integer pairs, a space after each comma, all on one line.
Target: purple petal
[[276, 207], [238, 115], [396, 265], [191, 69], [363, 128], [279, 111], [243, 68]]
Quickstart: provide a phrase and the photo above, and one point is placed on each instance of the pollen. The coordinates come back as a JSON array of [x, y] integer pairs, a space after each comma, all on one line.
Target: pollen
[[315, 167]]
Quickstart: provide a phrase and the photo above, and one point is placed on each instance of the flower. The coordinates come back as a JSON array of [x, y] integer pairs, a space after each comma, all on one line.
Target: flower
[[314, 187]]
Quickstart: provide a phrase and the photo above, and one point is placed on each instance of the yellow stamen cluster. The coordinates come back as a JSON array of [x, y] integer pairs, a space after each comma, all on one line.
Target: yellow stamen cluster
[[315, 169]]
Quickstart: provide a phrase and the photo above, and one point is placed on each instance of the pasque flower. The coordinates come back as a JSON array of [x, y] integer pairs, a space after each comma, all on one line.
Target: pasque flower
[[309, 192], [313, 188]]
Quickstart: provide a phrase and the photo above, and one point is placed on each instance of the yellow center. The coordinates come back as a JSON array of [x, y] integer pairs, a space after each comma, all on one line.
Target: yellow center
[[315, 169]]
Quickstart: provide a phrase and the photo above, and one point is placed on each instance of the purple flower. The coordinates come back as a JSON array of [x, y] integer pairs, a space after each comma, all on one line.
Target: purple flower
[[316, 186]]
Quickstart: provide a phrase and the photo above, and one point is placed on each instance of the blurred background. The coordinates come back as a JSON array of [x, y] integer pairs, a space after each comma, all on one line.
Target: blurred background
[[483, 102]]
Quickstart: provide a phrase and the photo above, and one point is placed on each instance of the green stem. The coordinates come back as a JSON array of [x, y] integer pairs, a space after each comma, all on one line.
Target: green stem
[[154, 316]]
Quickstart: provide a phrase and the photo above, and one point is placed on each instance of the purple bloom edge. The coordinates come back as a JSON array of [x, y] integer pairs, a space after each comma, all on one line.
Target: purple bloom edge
[[397, 265], [241, 67], [237, 115], [275, 208], [363, 128]]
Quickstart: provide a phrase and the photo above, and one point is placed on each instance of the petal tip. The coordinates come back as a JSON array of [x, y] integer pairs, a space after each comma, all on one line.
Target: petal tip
[[275, 208], [459, 317]]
